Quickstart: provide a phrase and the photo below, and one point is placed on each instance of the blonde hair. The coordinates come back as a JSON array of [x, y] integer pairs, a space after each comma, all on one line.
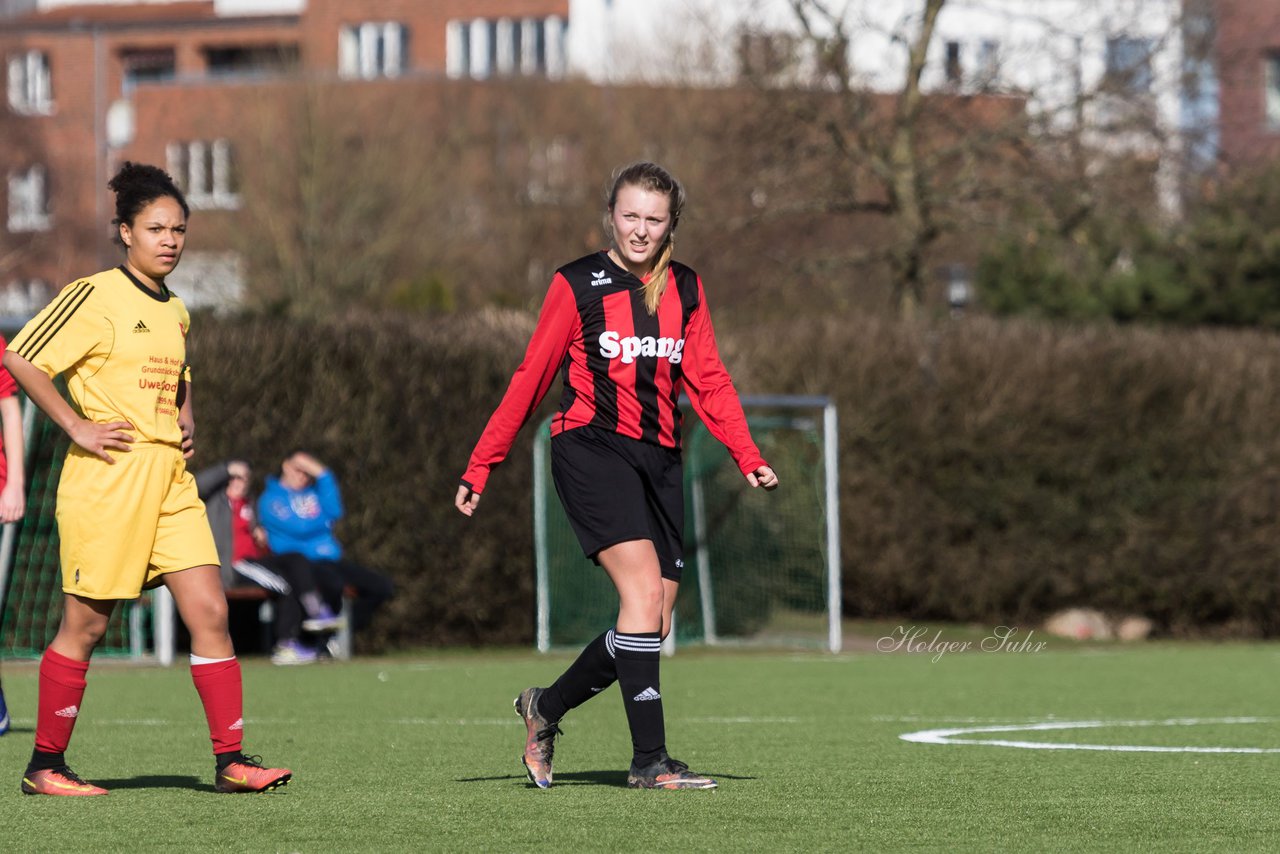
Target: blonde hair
[[654, 179]]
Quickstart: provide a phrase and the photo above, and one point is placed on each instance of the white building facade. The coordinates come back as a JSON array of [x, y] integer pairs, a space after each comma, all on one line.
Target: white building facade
[[1114, 69], [1054, 50]]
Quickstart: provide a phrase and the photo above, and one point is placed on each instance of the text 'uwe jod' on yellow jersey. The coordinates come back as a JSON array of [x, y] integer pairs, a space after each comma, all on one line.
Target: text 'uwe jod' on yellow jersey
[[122, 348]]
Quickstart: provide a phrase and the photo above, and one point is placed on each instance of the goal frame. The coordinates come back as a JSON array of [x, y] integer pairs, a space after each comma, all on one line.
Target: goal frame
[[830, 465]]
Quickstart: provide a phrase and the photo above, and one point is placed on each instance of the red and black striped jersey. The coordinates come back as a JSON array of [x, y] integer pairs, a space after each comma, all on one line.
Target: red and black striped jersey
[[623, 369]]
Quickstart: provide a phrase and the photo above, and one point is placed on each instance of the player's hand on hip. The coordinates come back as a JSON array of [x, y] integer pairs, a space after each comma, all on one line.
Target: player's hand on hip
[[763, 476], [188, 429], [466, 500], [97, 439]]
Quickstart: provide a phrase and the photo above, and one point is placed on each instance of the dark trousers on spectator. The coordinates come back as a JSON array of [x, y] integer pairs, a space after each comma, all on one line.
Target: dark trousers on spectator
[[371, 588], [291, 577]]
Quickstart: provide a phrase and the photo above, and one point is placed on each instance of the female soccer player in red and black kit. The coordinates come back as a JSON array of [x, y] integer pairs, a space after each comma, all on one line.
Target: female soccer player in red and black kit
[[628, 329]]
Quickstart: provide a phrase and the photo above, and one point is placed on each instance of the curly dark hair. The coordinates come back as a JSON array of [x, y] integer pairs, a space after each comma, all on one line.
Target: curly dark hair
[[137, 185]]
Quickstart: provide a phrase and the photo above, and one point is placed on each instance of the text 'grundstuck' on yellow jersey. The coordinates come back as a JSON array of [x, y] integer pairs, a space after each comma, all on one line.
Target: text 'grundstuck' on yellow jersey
[[122, 348]]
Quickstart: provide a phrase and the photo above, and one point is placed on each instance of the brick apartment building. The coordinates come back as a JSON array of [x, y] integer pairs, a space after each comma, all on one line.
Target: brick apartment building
[[1247, 50], [90, 85]]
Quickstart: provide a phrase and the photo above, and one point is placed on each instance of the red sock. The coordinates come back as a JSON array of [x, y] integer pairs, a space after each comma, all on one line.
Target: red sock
[[220, 691], [61, 691]]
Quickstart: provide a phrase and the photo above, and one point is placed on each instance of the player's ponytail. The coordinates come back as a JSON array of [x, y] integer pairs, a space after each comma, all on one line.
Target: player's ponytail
[[653, 178], [657, 281]]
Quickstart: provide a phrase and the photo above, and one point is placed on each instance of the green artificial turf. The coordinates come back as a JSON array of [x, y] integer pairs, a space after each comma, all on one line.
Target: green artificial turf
[[419, 753]]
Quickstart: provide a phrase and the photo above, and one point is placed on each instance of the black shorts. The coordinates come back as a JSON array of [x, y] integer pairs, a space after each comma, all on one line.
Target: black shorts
[[615, 489]]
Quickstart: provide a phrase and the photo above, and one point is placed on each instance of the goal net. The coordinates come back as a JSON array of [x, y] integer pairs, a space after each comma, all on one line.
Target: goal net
[[30, 571], [760, 568]]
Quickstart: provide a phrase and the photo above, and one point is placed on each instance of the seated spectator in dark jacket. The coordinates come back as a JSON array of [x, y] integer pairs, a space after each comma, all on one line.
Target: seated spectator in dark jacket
[[247, 561], [298, 510]]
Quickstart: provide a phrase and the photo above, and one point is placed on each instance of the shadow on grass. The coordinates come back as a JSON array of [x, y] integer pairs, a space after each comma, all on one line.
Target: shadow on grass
[[614, 779], [157, 782], [581, 778]]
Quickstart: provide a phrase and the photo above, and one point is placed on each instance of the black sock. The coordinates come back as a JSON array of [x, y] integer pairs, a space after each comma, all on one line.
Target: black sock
[[40, 761], [592, 672], [225, 759], [637, 659]]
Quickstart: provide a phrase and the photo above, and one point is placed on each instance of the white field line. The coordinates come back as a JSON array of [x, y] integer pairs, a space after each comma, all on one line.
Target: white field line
[[92, 721], [515, 721], [511, 720], [738, 720], [942, 719], [952, 735]]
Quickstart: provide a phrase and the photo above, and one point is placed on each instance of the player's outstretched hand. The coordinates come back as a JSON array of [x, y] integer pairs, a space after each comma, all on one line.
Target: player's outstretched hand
[[466, 501], [97, 439], [763, 476]]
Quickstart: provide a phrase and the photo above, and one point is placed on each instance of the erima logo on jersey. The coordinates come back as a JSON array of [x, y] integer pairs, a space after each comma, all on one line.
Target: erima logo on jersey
[[614, 346], [598, 279], [141, 327], [647, 694]]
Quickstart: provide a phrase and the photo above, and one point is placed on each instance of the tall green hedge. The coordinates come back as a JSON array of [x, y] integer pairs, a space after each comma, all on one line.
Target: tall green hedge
[[991, 471], [394, 407]]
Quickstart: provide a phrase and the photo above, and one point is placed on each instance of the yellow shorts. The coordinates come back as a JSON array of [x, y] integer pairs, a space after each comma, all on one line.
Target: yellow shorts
[[123, 526]]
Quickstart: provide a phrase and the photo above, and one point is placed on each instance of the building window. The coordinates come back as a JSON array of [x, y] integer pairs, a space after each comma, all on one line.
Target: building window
[[148, 66], [29, 200], [205, 172], [481, 48], [24, 299], [209, 280], [1271, 82], [987, 73], [952, 68], [1129, 65], [457, 48], [30, 83], [251, 61], [766, 56], [373, 49]]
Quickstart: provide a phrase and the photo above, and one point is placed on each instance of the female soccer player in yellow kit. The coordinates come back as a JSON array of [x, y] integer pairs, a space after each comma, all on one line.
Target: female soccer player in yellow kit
[[128, 513]]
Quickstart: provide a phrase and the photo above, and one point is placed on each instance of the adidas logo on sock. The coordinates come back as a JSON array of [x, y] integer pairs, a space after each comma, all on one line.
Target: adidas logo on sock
[[647, 694], [68, 712], [238, 725]]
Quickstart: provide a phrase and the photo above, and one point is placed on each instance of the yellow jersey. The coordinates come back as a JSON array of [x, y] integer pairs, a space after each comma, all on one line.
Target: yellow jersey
[[122, 348]]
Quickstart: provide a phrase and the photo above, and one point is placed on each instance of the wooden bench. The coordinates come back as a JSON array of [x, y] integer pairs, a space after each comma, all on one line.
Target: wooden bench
[[266, 614]]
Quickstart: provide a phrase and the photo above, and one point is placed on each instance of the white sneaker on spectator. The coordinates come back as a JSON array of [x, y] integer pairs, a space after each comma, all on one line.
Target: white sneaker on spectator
[[292, 652], [323, 621]]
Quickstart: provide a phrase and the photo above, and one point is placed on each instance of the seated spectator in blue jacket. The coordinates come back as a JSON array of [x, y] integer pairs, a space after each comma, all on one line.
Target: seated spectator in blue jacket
[[298, 510], [290, 579]]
